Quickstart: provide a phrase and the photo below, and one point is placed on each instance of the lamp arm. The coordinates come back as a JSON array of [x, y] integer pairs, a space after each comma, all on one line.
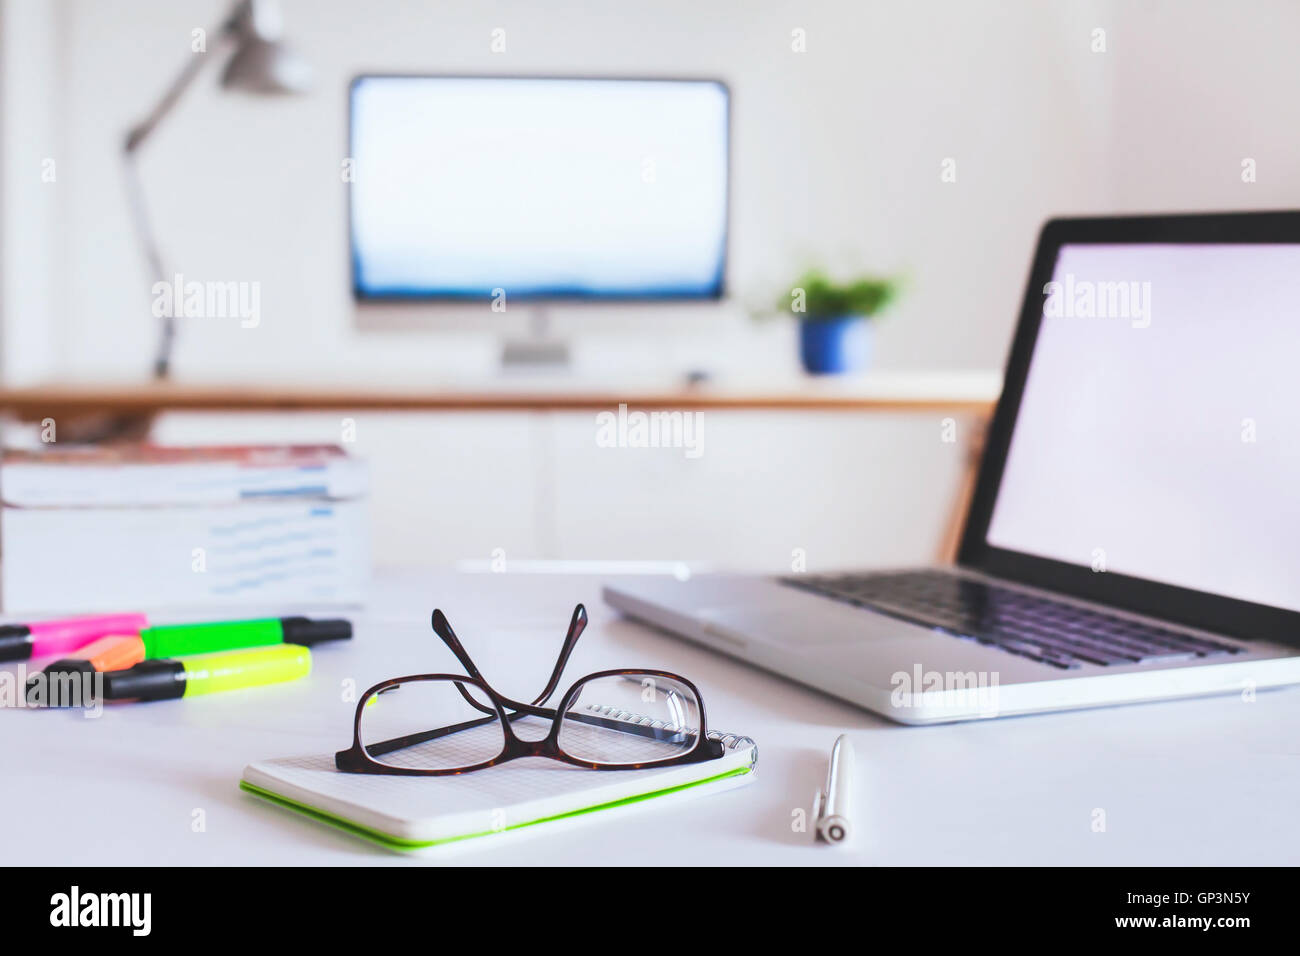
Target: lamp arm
[[135, 186], [144, 232], [229, 27]]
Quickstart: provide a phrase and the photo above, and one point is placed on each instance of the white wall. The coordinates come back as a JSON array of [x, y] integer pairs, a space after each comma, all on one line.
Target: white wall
[[1206, 85], [30, 119], [837, 156]]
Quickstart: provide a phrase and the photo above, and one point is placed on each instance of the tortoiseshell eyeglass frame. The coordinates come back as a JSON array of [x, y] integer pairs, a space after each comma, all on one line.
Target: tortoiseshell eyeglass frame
[[359, 758]]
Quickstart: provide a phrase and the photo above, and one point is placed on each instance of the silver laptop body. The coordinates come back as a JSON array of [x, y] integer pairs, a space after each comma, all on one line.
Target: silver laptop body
[[1134, 533]]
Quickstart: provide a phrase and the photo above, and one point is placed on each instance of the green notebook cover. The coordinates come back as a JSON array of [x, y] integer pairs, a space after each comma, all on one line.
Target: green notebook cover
[[397, 843]]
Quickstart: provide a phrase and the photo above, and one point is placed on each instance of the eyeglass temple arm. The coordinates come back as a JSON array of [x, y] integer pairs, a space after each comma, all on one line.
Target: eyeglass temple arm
[[442, 627], [577, 624]]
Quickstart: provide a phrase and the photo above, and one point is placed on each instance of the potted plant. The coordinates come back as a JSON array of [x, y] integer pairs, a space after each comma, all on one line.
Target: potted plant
[[834, 331]]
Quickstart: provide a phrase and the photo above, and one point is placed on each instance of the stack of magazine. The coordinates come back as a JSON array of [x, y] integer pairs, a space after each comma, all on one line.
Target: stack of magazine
[[146, 526]]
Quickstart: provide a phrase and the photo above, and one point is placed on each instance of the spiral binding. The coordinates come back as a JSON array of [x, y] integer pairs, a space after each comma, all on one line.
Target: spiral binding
[[729, 741]]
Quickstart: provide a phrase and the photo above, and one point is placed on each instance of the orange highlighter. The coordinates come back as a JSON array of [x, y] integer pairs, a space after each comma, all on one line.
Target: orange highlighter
[[114, 653]]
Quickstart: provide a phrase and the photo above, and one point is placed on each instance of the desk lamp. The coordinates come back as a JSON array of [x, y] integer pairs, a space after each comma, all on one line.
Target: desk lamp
[[260, 64]]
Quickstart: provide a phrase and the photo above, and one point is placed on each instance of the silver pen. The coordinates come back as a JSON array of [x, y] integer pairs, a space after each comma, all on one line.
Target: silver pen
[[831, 806]]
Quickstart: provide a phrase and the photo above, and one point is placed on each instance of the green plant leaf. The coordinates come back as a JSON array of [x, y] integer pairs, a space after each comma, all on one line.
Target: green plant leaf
[[824, 298]]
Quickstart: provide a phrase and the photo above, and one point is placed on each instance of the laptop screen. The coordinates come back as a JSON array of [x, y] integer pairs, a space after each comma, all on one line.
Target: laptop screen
[[1158, 434]]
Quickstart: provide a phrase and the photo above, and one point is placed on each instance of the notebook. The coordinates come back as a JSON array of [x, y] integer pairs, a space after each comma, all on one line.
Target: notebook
[[424, 813], [168, 527]]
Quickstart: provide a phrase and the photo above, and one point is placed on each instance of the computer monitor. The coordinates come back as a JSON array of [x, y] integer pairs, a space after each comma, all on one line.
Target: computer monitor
[[538, 188]]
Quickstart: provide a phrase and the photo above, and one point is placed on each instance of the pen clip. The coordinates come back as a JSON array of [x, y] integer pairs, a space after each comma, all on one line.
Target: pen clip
[[831, 825]]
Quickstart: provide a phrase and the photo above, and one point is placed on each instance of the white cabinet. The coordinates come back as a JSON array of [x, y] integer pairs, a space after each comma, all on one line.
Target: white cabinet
[[845, 488]]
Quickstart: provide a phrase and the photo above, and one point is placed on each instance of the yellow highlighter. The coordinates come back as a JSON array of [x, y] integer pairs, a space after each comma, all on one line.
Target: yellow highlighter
[[208, 673]]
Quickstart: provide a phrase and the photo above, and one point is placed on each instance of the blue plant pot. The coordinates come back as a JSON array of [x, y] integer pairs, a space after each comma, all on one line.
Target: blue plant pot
[[834, 346]]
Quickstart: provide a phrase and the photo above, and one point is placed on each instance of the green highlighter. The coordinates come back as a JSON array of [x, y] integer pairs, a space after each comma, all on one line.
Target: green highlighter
[[208, 673], [177, 640]]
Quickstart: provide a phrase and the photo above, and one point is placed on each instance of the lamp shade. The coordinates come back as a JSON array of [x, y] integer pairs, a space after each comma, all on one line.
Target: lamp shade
[[266, 67]]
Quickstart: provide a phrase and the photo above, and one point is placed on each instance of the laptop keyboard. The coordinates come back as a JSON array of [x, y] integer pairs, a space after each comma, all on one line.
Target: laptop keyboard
[[1062, 635]]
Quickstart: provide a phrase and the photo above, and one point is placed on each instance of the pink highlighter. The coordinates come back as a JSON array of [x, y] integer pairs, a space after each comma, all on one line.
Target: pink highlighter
[[18, 642]]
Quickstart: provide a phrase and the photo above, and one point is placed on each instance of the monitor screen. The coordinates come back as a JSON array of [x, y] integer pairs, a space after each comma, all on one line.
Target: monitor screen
[[473, 187], [1157, 428]]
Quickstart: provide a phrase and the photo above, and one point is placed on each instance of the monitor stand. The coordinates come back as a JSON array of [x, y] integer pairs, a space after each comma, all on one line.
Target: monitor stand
[[539, 350]]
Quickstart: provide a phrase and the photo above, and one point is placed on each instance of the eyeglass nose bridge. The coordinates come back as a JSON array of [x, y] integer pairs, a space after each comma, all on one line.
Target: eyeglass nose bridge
[[547, 746]]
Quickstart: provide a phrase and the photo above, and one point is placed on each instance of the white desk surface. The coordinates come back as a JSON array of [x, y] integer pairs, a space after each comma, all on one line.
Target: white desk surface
[[1209, 782]]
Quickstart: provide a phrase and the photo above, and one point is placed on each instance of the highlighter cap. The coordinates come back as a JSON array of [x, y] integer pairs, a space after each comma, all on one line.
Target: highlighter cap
[[68, 665], [305, 631], [53, 683], [148, 680], [15, 642]]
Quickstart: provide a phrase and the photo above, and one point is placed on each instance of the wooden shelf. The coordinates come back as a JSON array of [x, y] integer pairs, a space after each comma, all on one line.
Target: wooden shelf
[[901, 392]]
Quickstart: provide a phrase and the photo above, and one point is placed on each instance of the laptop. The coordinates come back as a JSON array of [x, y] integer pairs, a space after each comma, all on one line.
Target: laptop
[[1134, 533]]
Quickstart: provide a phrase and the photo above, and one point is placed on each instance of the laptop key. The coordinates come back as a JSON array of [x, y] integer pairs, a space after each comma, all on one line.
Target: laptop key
[[1056, 633]]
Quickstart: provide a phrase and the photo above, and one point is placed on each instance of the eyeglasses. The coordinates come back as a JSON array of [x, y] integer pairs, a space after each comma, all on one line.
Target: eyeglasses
[[440, 724]]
